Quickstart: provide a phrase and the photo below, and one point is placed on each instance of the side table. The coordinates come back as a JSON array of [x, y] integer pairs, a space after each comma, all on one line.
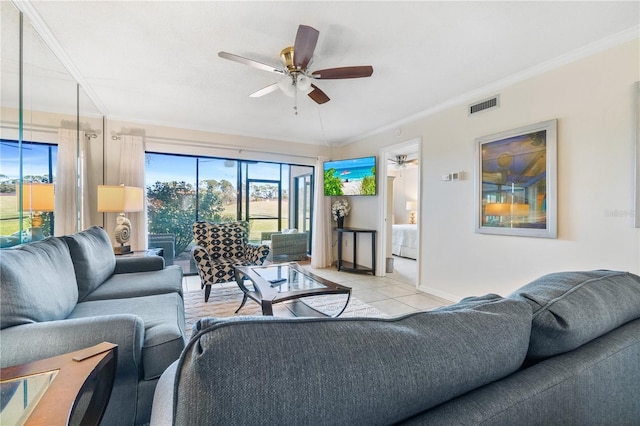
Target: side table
[[352, 266], [73, 388]]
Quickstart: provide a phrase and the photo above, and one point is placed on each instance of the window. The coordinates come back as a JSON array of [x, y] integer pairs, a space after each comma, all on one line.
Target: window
[[182, 189], [38, 163]]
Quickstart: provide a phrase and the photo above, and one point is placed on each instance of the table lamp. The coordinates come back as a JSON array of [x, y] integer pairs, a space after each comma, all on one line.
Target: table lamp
[[120, 199], [36, 198], [411, 207]]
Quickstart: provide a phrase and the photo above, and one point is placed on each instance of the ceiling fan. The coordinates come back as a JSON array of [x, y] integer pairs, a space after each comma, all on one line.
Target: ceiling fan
[[295, 68], [402, 161]]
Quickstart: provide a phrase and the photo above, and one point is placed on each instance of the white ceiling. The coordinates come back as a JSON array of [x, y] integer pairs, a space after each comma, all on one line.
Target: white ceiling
[[156, 62]]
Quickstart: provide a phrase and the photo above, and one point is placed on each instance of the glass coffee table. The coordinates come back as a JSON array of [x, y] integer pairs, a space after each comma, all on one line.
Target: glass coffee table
[[286, 284]]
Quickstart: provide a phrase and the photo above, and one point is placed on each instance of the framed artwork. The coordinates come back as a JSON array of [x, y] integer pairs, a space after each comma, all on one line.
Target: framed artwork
[[516, 182]]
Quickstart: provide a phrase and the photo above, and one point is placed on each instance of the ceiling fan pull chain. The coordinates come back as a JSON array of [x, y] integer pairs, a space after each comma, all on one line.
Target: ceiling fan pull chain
[[295, 98]]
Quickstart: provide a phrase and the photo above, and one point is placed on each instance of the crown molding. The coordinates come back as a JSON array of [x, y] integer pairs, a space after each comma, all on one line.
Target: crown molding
[[573, 56]]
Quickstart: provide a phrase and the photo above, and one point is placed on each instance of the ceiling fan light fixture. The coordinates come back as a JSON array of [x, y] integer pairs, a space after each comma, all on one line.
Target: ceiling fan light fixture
[[287, 87], [303, 83]]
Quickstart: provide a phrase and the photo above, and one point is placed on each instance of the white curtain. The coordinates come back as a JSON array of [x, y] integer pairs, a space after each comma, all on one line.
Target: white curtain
[[70, 214], [321, 246], [132, 174]]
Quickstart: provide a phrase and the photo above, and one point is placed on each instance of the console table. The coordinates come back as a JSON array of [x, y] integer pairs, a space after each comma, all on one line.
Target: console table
[[352, 266], [73, 388]]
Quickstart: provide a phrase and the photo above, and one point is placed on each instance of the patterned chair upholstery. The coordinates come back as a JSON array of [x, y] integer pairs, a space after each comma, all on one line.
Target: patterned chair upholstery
[[220, 247]]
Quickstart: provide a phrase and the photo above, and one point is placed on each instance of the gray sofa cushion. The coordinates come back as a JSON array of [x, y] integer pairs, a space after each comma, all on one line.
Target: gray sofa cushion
[[93, 258], [573, 308], [163, 318], [119, 286], [346, 371], [38, 283], [596, 384]]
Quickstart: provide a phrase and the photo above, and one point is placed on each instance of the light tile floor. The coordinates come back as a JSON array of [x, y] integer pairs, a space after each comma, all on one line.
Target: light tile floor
[[391, 295]]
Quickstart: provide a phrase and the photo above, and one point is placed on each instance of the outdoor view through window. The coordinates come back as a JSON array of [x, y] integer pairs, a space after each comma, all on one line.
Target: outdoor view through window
[[183, 189], [38, 166]]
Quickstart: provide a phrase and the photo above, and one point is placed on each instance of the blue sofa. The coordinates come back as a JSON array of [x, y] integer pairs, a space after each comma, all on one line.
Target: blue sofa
[[66, 293], [564, 349]]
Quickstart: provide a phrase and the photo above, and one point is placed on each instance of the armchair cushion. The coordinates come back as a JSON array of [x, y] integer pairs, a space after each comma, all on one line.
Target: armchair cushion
[[38, 283], [93, 258]]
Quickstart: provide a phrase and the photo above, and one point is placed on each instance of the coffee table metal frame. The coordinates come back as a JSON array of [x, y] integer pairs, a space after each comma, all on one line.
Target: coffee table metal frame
[[267, 295]]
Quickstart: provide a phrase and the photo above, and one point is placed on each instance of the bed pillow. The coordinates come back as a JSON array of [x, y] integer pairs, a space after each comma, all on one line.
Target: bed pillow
[[573, 308]]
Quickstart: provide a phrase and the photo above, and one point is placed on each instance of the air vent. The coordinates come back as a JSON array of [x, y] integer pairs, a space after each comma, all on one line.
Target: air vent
[[484, 105]]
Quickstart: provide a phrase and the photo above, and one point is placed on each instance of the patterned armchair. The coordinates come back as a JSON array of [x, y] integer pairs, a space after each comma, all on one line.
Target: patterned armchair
[[220, 247]]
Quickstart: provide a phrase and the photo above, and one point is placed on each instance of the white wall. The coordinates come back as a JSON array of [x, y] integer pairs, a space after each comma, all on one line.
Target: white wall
[[405, 188], [592, 100]]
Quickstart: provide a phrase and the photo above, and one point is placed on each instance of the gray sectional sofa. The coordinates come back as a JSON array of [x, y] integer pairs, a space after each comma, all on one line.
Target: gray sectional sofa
[[67, 293], [564, 349]]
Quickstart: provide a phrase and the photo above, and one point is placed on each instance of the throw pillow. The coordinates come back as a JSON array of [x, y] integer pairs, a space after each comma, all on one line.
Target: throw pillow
[[93, 258], [573, 308], [38, 283]]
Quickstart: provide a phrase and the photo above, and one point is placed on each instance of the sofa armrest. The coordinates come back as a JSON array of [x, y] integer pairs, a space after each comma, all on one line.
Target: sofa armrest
[[31, 342], [256, 253], [125, 265]]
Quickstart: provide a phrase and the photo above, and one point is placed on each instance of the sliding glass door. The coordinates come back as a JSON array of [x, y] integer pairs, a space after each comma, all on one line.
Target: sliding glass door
[[182, 189]]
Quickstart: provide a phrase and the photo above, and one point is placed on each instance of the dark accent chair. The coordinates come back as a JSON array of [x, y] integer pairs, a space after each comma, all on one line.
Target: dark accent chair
[[221, 246], [167, 242]]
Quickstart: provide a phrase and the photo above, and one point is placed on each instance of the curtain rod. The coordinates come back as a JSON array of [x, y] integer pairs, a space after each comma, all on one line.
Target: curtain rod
[[47, 128], [239, 149]]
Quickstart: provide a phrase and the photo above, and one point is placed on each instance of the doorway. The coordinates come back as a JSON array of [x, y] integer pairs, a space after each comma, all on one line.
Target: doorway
[[400, 204]]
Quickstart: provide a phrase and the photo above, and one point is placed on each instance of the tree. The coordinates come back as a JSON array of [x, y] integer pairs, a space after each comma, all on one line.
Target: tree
[[332, 184], [369, 183], [172, 209]]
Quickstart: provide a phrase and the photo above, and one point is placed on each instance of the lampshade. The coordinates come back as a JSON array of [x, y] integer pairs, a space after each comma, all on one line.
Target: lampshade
[[286, 85], [36, 197], [303, 82], [120, 198], [411, 206]]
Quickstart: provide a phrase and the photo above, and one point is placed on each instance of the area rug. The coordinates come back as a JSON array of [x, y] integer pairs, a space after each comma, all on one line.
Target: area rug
[[226, 298]]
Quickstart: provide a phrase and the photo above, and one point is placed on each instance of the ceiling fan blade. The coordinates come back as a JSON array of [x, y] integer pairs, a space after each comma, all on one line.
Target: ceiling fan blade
[[250, 62], [318, 95], [344, 72], [304, 46], [264, 91]]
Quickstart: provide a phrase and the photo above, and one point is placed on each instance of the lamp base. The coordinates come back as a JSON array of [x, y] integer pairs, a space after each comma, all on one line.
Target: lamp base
[[122, 249]]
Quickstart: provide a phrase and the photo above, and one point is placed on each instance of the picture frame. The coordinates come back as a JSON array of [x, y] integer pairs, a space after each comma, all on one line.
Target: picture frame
[[516, 182]]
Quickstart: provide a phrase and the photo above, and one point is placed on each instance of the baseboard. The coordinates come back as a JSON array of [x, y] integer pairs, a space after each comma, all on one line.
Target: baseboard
[[441, 294]]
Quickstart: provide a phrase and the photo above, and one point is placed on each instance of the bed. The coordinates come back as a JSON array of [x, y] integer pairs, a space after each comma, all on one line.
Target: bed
[[404, 240]]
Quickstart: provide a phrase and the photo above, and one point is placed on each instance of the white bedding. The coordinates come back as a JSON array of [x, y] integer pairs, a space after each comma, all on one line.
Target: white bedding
[[404, 240]]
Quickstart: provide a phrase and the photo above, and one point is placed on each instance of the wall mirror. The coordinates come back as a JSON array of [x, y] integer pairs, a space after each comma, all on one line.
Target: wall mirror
[[42, 110]]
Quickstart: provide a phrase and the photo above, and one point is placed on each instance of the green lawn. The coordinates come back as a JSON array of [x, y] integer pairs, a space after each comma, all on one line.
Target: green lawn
[[9, 218], [264, 215]]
